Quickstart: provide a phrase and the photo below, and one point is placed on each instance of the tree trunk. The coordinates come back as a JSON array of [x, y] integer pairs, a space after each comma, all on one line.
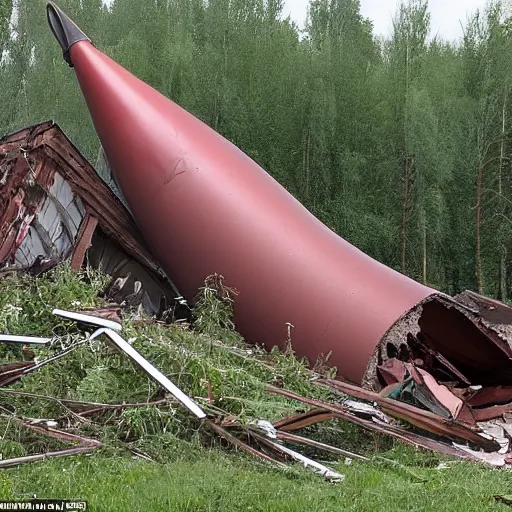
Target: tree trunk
[[503, 251], [305, 163], [424, 246], [405, 213], [503, 274], [479, 193]]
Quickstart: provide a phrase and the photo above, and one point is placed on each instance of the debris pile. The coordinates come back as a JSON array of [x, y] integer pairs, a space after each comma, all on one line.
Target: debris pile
[[414, 409]]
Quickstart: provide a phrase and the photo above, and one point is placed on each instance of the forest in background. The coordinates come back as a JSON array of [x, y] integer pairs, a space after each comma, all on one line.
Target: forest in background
[[402, 145]]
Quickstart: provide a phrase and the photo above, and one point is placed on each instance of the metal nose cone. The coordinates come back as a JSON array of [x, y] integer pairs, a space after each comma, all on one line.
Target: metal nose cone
[[205, 207], [64, 29]]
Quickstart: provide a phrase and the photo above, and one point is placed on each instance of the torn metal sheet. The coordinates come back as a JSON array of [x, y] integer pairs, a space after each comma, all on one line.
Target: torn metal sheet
[[395, 431], [365, 410], [54, 206], [433, 360], [491, 396], [418, 417], [155, 374], [439, 393], [307, 419], [477, 350], [496, 431], [490, 413], [393, 371], [494, 459], [490, 310]]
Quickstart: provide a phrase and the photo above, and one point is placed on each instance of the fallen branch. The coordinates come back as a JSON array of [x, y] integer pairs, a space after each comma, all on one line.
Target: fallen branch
[[285, 436], [9, 463], [240, 444]]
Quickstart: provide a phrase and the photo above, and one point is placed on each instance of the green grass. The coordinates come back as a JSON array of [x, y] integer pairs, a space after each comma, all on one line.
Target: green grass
[[194, 470], [214, 481]]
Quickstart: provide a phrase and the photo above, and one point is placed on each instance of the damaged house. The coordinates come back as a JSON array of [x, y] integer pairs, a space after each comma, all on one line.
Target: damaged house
[[54, 207]]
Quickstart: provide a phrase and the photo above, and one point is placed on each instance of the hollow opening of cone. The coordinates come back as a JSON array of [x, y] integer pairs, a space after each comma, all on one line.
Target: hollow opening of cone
[[448, 340]]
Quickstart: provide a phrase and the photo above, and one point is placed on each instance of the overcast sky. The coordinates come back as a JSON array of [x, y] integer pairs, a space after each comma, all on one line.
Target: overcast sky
[[446, 14]]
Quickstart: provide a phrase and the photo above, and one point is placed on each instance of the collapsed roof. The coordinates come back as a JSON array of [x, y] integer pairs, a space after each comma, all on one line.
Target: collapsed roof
[[54, 206]]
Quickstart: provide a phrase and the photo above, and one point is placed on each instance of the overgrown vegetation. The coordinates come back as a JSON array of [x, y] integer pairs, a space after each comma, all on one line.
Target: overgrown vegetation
[[211, 364]]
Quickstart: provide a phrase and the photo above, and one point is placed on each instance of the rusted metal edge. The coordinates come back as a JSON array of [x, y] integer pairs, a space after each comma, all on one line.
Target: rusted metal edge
[[389, 430], [304, 420], [83, 241], [418, 417]]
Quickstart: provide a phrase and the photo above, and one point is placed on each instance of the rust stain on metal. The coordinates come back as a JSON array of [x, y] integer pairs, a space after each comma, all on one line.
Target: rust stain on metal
[[304, 420], [83, 241]]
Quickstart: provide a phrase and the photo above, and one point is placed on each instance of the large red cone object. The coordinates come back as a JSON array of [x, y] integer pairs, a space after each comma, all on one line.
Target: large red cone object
[[204, 207]]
